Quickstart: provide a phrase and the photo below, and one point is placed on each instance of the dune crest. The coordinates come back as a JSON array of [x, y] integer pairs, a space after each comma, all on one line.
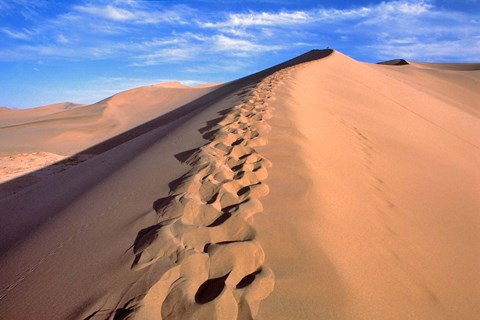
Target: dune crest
[[170, 84], [215, 266], [394, 62]]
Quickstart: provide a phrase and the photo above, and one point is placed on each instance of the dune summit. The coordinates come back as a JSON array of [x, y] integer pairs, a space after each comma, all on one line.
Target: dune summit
[[320, 188]]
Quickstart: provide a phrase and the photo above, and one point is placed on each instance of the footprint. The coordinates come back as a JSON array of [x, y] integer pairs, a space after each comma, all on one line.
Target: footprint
[[214, 266]]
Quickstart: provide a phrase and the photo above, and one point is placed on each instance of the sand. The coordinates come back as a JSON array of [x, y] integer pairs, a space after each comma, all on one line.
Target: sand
[[384, 201], [321, 188], [67, 129], [35, 138]]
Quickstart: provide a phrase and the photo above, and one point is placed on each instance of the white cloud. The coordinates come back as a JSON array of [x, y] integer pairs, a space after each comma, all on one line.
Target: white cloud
[[337, 15], [401, 41], [301, 17], [443, 50], [62, 39], [25, 35], [219, 67], [50, 50], [260, 19], [132, 13], [125, 83], [36, 51], [241, 47], [196, 47], [107, 12], [162, 56], [404, 7]]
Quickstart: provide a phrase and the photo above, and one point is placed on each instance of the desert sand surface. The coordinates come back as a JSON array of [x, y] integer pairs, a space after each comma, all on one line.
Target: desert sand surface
[[321, 188]]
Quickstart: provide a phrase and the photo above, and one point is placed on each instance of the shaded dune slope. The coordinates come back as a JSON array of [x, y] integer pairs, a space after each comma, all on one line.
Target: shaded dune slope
[[395, 62], [114, 195]]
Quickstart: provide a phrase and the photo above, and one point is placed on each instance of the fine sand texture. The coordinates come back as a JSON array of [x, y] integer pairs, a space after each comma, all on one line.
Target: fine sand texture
[[374, 203], [320, 188]]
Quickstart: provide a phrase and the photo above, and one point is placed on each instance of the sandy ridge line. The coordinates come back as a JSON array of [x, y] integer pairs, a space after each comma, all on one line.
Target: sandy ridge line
[[214, 263]]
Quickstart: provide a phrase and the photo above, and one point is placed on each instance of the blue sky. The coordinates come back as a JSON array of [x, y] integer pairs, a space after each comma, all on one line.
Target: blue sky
[[84, 51]]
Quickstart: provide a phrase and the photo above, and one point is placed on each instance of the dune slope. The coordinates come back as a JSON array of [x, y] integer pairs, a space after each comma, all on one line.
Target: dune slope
[[373, 210]]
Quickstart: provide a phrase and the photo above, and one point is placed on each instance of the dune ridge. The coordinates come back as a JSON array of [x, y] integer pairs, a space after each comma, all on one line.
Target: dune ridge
[[214, 264], [84, 234], [394, 62]]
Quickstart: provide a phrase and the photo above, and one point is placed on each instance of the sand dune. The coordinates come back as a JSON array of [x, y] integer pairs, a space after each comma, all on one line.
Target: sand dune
[[64, 129], [385, 194], [16, 116], [448, 66], [56, 126], [321, 188], [395, 62]]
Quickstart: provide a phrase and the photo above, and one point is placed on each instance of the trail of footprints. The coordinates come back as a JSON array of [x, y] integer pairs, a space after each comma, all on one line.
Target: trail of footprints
[[215, 265]]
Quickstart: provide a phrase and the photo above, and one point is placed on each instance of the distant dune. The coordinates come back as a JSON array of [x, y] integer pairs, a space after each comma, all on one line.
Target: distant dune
[[64, 129], [10, 116], [56, 126], [449, 66], [320, 188], [395, 62]]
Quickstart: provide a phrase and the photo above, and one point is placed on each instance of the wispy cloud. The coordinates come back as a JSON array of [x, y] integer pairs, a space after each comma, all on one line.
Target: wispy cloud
[[407, 24], [198, 47], [259, 19], [438, 50], [301, 17], [22, 35], [107, 12], [405, 27], [165, 55], [241, 47], [218, 67], [130, 11], [62, 39]]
